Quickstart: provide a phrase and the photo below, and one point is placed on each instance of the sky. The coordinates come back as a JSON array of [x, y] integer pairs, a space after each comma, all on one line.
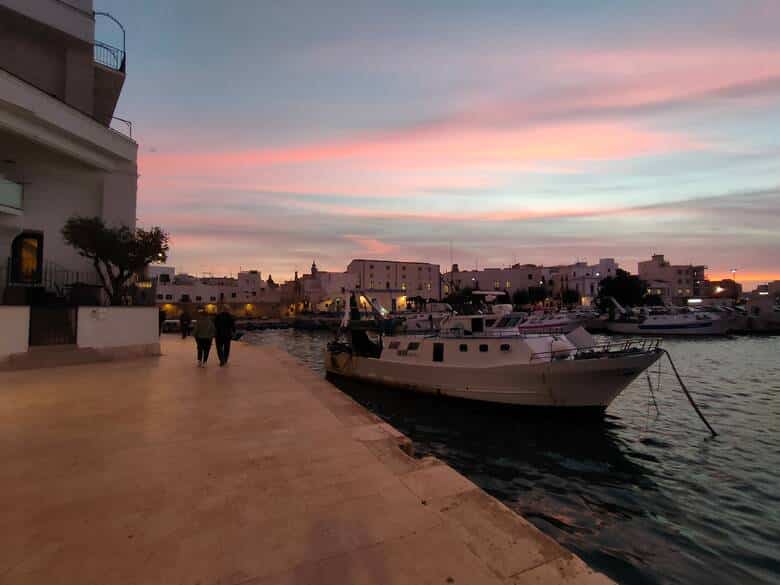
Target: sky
[[276, 133]]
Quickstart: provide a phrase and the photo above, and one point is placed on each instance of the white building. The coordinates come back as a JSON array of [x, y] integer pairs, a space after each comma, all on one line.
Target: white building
[[392, 282], [248, 288], [580, 277], [673, 282], [512, 279], [58, 155], [326, 291]]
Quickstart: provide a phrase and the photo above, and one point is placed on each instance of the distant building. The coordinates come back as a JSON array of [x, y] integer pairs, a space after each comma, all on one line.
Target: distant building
[[512, 279], [721, 289], [326, 291], [393, 283], [247, 294], [673, 282], [581, 277]]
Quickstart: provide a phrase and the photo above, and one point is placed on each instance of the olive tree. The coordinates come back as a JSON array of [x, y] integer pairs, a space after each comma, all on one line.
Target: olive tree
[[117, 253]]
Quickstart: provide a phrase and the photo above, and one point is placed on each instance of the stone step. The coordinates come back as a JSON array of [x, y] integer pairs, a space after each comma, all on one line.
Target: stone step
[[52, 356]]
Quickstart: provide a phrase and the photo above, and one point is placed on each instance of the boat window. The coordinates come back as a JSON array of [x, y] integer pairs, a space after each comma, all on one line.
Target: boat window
[[483, 347], [413, 346], [394, 344], [477, 325], [464, 347], [504, 347], [438, 352]]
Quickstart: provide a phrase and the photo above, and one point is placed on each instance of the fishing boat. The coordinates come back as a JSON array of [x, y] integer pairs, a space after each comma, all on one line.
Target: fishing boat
[[561, 371]]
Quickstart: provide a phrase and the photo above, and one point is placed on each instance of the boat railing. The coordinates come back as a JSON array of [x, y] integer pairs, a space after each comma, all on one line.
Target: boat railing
[[607, 348]]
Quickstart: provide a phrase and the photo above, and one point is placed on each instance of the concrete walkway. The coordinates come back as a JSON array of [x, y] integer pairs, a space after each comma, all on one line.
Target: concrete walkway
[[154, 471]]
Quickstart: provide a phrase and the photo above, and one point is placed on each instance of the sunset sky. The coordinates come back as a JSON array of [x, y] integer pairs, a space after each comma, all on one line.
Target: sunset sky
[[274, 133]]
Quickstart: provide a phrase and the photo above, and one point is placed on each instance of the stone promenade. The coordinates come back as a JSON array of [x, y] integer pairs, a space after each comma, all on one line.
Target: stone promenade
[[153, 471]]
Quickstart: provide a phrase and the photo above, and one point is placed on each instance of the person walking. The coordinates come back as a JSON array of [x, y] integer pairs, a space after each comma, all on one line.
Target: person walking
[[184, 323], [203, 332], [225, 327]]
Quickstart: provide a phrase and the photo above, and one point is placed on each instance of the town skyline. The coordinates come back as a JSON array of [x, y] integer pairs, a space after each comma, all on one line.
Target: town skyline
[[543, 133]]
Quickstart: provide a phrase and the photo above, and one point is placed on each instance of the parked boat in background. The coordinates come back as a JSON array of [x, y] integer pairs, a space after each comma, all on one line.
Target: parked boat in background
[[665, 321]]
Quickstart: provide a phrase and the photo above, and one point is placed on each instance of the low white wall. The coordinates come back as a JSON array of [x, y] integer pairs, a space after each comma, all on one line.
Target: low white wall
[[101, 327], [14, 330]]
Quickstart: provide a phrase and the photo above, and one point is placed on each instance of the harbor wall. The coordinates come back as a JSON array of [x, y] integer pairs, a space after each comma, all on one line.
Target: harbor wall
[[125, 330], [15, 326]]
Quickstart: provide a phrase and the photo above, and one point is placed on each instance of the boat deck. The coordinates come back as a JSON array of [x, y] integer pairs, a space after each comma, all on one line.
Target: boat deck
[[155, 471]]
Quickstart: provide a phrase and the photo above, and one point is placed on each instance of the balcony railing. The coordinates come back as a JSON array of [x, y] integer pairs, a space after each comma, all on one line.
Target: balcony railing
[[109, 56]]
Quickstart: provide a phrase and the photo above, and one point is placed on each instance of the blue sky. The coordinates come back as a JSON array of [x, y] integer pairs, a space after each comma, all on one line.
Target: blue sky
[[275, 133]]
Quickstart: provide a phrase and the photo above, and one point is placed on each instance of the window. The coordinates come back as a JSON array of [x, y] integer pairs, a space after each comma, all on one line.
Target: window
[[197, 298], [387, 267], [387, 285], [168, 297], [483, 347], [394, 345], [371, 266], [254, 294], [508, 284], [438, 352], [477, 325], [464, 347], [232, 295], [413, 346], [27, 258], [496, 285], [505, 347], [159, 297], [185, 298], [11, 196], [165, 278], [403, 286], [530, 277], [213, 298]]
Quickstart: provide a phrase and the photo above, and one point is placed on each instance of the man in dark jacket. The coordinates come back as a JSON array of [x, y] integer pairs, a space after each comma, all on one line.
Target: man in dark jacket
[[226, 327], [185, 321]]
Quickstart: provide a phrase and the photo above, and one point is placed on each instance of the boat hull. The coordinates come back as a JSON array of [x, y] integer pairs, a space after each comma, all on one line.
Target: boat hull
[[703, 327], [581, 384]]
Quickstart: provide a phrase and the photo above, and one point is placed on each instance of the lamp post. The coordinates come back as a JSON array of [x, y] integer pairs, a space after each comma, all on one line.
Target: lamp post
[[734, 280]]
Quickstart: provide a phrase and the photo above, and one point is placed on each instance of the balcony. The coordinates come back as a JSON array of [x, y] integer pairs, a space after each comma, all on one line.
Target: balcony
[[110, 57]]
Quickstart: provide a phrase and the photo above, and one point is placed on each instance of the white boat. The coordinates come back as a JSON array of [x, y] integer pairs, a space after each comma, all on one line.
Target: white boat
[[540, 370], [562, 321], [665, 321]]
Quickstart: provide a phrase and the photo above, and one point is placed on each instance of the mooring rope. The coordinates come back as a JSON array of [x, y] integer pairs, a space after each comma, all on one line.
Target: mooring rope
[[688, 394]]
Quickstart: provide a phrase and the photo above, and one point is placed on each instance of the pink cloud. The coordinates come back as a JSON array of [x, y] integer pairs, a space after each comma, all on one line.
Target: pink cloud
[[373, 246]]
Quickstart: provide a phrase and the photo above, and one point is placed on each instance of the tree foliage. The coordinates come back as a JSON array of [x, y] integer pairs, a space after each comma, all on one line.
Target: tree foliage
[[461, 300], [537, 294], [117, 253], [627, 289], [520, 298], [570, 297]]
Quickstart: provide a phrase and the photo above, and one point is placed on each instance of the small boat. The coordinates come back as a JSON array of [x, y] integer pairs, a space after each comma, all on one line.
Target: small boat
[[561, 371], [666, 321], [563, 321]]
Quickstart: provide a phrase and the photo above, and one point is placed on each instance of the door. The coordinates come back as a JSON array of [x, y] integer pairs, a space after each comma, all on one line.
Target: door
[[52, 325]]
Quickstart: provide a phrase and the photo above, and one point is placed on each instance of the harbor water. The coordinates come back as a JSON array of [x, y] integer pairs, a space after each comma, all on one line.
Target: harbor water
[[644, 496]]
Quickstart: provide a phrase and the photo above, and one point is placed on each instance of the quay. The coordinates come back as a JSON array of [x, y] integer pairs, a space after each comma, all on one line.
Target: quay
[[153, 471]]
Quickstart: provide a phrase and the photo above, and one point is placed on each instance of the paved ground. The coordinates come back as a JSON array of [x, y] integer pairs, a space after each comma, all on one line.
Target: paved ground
[[154, 471]]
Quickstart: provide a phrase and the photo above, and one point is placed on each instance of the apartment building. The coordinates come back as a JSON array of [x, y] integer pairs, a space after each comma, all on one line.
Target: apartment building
[[673, 282], [59, 157], [393, 282]]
